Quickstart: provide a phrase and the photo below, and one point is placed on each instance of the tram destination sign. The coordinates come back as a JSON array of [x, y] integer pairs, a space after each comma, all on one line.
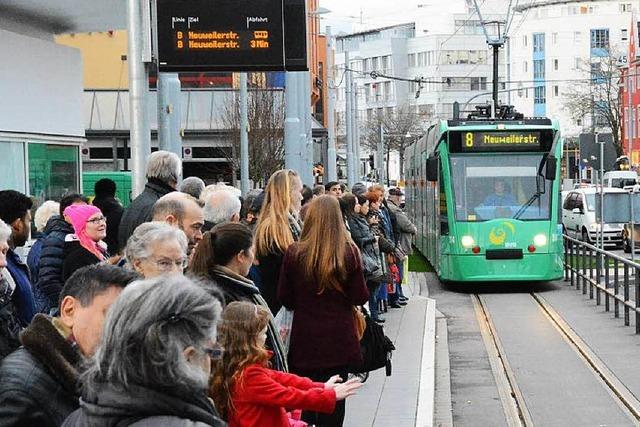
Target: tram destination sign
[[492, 141], [231, 35]]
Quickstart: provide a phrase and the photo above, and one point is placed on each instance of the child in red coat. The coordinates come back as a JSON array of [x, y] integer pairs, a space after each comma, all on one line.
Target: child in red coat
[[246, 392]]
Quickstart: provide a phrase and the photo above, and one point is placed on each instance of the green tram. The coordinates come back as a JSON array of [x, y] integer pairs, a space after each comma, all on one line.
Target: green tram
[[485, 197]]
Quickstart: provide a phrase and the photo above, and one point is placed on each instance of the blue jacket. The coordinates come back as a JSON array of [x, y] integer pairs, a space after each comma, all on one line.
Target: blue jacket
[[23, 295], [33, 259], [49, 284]]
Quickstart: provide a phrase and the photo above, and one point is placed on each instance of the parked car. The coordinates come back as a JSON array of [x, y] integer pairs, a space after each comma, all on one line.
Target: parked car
[[579, 217], [620, 179]]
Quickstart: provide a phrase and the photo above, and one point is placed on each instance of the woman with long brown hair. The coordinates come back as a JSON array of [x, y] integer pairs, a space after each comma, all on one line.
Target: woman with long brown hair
[[277, 228], [246, 392], [321, 280]]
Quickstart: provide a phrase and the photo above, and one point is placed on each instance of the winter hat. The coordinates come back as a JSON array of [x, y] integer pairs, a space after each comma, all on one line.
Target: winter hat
[[79, 215]]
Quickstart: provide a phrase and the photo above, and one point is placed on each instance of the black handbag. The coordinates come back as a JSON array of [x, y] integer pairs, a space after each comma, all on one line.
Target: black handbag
[[376, 349]]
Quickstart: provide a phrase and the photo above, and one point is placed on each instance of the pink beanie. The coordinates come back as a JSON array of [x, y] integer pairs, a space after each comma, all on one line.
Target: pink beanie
[[79, 215]]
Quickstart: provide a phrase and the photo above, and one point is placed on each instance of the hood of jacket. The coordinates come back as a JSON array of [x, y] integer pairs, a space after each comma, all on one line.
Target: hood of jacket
[[47, 341], [105, 405], [223, 274], [57, 224]]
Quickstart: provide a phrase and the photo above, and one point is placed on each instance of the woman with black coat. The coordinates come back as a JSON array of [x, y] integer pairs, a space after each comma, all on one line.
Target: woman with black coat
[[224, 257], [84, 247]]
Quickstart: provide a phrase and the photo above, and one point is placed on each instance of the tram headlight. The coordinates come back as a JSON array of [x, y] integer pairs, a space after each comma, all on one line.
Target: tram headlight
[[467, 242], [540, 240]]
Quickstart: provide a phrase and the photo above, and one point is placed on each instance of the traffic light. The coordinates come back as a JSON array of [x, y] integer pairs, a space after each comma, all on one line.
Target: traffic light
[[372, 161]]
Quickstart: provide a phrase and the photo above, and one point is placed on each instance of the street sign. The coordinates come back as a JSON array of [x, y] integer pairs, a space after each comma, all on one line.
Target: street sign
[[617, 207], [231, 35]]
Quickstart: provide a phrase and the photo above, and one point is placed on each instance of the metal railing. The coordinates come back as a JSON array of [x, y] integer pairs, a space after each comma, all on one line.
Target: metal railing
[[603, 273]]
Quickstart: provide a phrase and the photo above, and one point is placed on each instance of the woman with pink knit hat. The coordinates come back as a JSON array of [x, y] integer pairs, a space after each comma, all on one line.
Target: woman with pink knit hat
[[85, 247]]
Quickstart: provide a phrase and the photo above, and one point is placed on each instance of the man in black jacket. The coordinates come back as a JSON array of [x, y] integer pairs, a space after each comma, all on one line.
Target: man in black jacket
[[50, 283], [111, 208], [163, 173], [39, 380]]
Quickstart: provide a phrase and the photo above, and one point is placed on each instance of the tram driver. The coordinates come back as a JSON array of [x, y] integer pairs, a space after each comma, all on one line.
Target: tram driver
[[500, 196]]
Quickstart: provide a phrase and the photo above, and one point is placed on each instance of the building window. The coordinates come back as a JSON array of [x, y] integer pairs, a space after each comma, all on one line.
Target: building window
[[539, 96], [554, 38], [524, 67], [596, 73], [53, 170], [555, 64], [538, 69], [538, 42], [577, 36], [624, 34], [577, 64], [526, 93], [626, 7], [600, 38], [579, 122], [556, 90], [412, 60], [478, 83], [524, 41]]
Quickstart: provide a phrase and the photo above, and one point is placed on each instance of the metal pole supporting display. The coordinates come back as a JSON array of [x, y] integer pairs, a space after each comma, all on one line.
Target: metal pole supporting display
[[332, 162], [244, 135], [356, 134], [601, 231], [349, 122], [291, 122], [169, 113], [138, 88], [381, 168]]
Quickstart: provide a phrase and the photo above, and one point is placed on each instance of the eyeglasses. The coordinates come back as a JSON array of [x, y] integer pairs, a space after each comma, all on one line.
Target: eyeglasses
[[215, 352], [97, 220], [169, 264]]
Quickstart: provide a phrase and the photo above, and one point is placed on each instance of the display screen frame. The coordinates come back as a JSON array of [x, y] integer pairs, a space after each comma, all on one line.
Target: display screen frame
[[500, 141]]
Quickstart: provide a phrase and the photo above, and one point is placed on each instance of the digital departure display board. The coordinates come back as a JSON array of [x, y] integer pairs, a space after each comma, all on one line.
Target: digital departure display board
[[500, 141], [231, 35]]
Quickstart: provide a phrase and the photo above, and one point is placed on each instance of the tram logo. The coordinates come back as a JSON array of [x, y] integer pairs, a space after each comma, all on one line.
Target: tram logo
[[498, 234]]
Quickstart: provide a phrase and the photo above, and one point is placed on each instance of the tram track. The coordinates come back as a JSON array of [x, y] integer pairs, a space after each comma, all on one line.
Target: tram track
[[513, 402]]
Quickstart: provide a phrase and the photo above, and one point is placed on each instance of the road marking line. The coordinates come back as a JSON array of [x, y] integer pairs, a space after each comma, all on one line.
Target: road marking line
[[426, 395]]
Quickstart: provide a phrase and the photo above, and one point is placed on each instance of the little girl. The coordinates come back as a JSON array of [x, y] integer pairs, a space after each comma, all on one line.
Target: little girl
[[246, 392]]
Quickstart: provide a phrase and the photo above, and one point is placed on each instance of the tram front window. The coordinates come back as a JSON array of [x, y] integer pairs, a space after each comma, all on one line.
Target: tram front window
[[495, 186]]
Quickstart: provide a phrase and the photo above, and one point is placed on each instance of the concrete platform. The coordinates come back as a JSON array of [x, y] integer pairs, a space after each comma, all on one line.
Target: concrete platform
[[406, 398]]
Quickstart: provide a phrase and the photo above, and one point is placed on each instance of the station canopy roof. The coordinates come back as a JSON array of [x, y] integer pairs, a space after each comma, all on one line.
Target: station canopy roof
[[67, 16]]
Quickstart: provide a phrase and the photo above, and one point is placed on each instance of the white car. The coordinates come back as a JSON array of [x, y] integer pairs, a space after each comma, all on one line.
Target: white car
[[579, 217]]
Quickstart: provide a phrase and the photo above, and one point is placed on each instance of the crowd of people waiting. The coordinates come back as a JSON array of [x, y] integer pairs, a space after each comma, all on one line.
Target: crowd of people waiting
[[162, 314]]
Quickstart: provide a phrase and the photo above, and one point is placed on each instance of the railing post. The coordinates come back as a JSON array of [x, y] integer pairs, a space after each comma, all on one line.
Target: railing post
[[616, 288], [606, 286], [597, 281], [637, 298], [590, 264], [626, 294], [580, 278], [601, 274], [572, 255]]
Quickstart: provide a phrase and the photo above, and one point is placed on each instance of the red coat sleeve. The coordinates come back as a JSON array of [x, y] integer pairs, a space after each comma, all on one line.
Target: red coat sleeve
[[285, 285], [296, 381], [257, 386], [357, 285]]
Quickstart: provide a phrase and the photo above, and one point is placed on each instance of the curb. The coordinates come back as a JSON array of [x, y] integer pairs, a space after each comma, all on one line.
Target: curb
[[426, 396]]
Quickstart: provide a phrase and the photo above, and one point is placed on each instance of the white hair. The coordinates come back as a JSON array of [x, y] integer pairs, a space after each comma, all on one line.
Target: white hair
[[220, 206], [147, 234], [165, 166], [5, 232], [44, 213], [210, 189]]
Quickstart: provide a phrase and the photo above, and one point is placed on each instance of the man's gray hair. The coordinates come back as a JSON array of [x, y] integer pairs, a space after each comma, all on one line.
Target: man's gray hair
[[220, 206], [165, 166], [174, 203], [192, 186], [5, 232], [146, 332], [147, 234]]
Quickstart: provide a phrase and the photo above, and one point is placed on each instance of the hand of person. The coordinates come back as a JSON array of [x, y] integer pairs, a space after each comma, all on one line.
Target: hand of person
[[347, 389], [332, 382]]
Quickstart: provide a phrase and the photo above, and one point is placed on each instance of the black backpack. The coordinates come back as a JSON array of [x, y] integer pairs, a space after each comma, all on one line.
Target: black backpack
[[376, 348]]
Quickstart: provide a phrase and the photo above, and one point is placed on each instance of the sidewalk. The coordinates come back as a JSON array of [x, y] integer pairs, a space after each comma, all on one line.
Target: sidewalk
[[394, 401]]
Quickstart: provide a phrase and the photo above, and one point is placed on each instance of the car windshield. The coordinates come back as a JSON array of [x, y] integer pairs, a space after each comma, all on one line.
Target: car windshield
[[591, 202], [499, 186]]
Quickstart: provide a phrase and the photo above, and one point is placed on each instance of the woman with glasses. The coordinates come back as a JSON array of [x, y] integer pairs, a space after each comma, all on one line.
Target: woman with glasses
[[156, 248], [84, 247], [153, 363], [224, 256]]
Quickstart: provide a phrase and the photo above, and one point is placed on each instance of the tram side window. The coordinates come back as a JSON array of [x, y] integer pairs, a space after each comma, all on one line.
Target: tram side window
[[444, 217]]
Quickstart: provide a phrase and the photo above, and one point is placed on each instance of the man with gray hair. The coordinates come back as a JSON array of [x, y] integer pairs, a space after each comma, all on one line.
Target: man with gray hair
[[221, 206], [182, 211], [192, 186], [153, 364], [163, 173]]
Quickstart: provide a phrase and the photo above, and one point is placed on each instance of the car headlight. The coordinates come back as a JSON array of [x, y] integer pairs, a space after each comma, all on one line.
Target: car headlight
[[467, 242], [540, 240], [594, 227]]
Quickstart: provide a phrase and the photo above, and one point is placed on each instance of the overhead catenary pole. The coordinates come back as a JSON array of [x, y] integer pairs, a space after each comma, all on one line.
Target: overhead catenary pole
[[244, 135], [169, 113], [381, 169], [140, 134], [356, 133], [291, 122], [331, 168], [349, 122], [308, 122]]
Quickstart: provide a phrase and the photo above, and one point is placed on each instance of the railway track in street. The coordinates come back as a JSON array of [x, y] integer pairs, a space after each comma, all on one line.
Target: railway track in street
[[514, 401]]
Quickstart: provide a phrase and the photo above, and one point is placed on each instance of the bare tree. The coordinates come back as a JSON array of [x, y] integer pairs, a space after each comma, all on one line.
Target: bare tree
[[400, 128], [266, 132], [597, 96]]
